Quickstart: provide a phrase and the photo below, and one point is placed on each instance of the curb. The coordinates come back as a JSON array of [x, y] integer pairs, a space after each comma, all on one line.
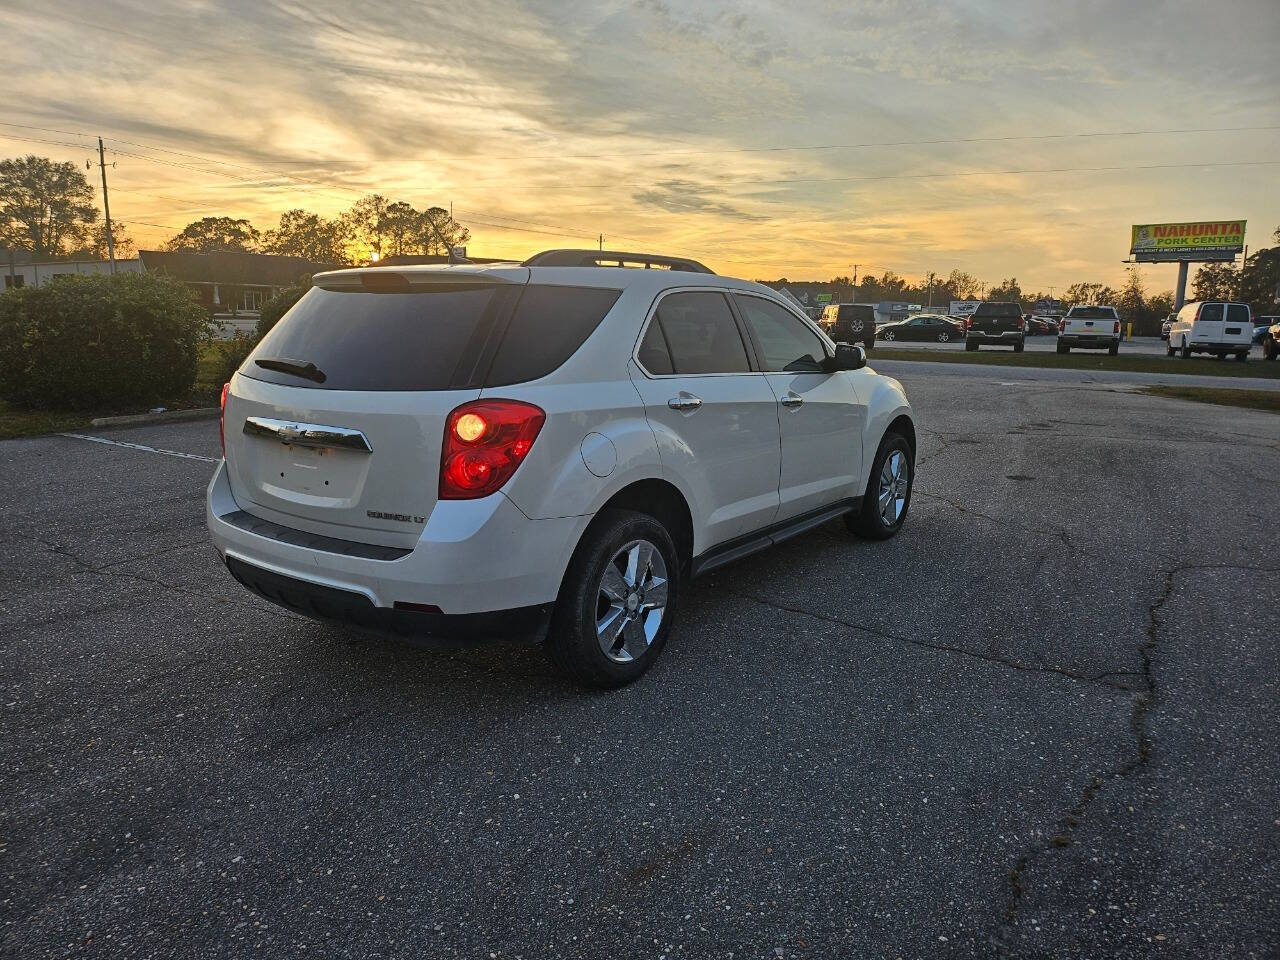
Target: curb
[[169, 416]]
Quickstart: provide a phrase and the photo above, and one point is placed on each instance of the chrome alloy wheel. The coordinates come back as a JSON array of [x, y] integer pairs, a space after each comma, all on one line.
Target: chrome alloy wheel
[[895, 484], [631, 601]]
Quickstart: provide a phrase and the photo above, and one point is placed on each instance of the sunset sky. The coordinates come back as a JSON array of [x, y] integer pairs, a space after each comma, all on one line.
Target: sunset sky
[[768, 139]]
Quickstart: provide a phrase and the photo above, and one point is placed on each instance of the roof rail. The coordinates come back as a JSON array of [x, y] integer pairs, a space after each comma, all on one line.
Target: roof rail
[[613, 258]]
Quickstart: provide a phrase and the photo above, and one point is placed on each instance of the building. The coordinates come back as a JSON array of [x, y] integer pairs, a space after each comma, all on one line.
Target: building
[[232, 286], [21, 270]]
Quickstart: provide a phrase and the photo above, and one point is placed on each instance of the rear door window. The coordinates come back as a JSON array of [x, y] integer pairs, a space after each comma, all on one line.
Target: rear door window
[[786, 342], [1237, 313], [1211, 312], [360, 340], [548, 326], [701, 334]]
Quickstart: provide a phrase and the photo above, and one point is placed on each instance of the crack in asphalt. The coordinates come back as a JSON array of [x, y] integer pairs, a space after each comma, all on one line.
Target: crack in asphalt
[[1101, 679], [1143, 699], [1059, 533]]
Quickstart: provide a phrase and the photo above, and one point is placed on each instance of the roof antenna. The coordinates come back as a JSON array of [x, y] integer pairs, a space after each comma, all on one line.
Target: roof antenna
[[448, 248]]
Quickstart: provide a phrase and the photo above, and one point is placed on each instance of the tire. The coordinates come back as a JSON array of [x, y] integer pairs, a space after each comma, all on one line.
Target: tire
[[1169, 351], [1063, 348], [888, 335], [1243, 357], [1017, 347], [1269, 349], [867, 521], [970, 345], [573, 642], [944, 337], [1186, 352], [1113, 349]]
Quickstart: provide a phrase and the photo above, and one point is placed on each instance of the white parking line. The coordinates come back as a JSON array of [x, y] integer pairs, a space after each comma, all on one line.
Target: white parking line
[[140, 446]]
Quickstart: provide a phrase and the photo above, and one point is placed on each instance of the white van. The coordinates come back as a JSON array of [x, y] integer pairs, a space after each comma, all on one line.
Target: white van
[[1212, 326]]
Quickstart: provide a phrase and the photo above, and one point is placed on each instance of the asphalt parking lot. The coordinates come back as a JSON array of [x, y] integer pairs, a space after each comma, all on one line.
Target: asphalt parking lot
[[1042, 722]]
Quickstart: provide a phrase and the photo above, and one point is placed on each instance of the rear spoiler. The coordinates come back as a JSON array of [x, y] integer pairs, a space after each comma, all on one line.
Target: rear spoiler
[[387, 280]]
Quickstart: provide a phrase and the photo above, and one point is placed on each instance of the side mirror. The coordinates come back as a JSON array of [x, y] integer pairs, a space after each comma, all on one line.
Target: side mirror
[[849, 356]]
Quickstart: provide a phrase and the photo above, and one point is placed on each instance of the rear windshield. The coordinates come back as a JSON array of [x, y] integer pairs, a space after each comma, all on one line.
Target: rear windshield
[[1237, 313], [429, 340], [998, 310], [850, 311], [1092, 313]]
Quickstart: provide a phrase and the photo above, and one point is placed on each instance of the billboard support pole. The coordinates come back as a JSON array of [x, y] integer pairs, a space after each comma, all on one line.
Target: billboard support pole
[[1180, 291]]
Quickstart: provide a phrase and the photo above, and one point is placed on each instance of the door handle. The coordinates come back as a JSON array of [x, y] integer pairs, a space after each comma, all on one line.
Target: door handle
[[791, 400], [685, 403]]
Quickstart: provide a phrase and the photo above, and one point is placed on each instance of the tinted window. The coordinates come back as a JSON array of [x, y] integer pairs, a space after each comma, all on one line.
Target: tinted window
[[998, 310], [653, 353], [1092, 313], [1210, 311], [380, 341], [701, 334], [1237, 313], [548, 326], [850, 311], [785, 342]]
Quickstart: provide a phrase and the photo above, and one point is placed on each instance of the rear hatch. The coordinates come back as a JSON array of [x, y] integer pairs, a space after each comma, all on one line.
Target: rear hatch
[[335, 423]]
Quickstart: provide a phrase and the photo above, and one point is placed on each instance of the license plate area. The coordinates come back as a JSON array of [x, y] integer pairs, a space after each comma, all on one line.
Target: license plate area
[[315, 476]]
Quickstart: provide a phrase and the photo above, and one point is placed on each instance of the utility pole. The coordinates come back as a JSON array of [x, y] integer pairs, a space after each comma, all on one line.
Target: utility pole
[[106, 207], [855, 282], [932, 277], [602, 242]]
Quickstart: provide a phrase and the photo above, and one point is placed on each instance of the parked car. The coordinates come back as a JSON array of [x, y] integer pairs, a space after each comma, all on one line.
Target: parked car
[[1090, 328], [550, 448], [1261, 326], [924, 326], [1212, 326], [996, 323], [1271, 342], [850, 323], [1041, 326], [1164, 327]]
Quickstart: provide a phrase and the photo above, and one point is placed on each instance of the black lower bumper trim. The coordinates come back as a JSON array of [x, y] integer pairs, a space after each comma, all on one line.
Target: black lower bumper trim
[[344, 606]]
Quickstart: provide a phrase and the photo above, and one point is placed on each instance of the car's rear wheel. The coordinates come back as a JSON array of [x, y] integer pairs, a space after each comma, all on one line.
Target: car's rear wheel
[[1242, 356], [971, 345], [1063, 348], [1186, 352], [943, 337], [617, 601], [1269, 349], [888, 494], [1113, 349], [1018, 347], [889, 335], [1169, 351]]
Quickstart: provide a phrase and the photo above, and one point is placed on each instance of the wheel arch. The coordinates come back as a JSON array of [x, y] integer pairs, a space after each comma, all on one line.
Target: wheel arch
[[661, 500]]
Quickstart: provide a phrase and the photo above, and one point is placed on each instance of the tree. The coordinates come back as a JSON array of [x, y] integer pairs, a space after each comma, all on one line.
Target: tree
[[1214, 281], [1006, 290], [366, 224], [216, 235], [438, 231], [963, 286], [96, 247], [1133, 297], [1259, 279], [310, 236], [1089, 294], [45, 207]]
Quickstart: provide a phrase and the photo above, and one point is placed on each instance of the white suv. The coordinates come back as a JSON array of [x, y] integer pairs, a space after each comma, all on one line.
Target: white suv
[[550, 448]]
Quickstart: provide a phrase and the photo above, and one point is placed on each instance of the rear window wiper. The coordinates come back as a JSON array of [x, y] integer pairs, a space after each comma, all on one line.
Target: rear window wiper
[[297, 368]]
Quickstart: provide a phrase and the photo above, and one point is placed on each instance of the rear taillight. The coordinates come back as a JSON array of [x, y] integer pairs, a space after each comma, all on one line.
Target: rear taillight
[[1022, 323], [1062, 325], [222, 418], [1117, 329], [484, 442], [968, 323]]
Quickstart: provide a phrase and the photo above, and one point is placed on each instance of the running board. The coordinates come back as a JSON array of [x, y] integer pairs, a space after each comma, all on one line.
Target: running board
[[739, 547]]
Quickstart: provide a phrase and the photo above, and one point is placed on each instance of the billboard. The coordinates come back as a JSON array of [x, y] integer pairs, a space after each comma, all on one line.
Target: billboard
[[1207, 240], [963, 308]]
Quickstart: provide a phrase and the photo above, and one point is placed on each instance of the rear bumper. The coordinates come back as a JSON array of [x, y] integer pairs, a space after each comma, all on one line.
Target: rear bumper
[[1007, 338], [473, 557], [343, 606], [1080, 340]]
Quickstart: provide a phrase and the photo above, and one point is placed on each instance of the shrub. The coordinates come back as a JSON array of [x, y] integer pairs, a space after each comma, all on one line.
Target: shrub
[[232, 353], [100, 341], [279, 305]]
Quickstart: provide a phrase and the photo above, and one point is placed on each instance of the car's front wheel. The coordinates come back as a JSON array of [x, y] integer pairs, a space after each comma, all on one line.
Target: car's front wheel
[[617, 601], [943, 337], [888, 495], [889, 335]]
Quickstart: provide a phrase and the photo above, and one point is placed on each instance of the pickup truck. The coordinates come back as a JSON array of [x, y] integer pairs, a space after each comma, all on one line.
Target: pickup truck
[[1001, 324], [1093, 328]]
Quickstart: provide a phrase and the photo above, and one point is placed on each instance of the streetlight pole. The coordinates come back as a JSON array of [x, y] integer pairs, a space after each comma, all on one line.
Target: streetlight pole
[[106, 207]]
